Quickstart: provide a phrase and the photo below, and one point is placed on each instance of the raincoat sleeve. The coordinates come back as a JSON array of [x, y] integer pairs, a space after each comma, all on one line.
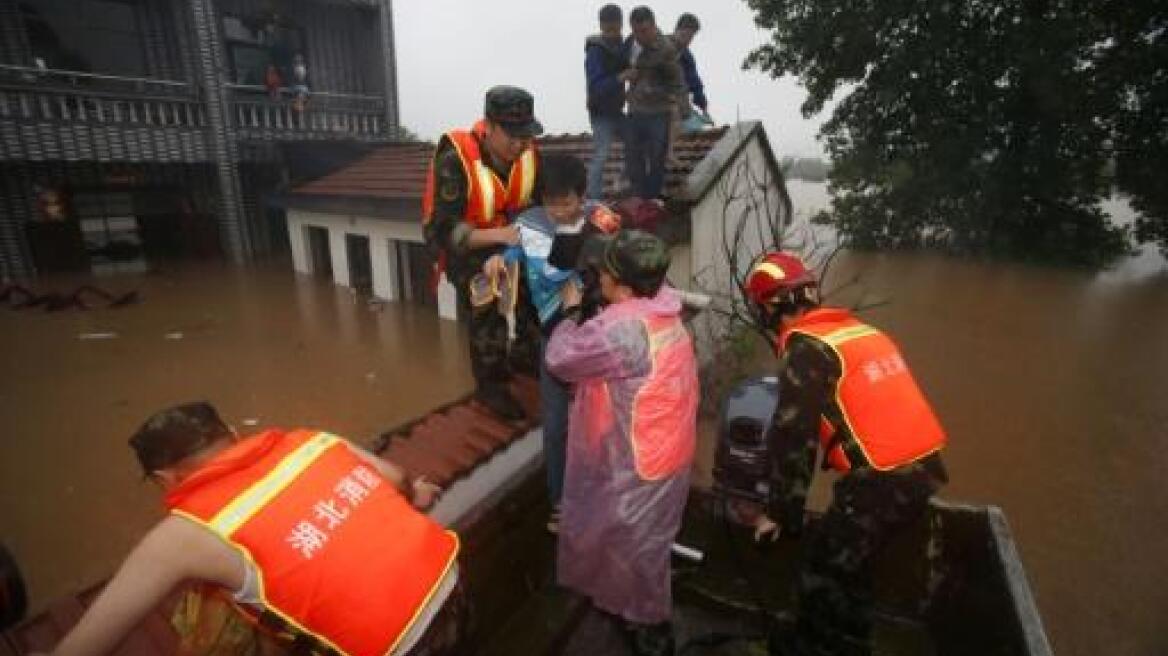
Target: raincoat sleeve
[[581, 352]]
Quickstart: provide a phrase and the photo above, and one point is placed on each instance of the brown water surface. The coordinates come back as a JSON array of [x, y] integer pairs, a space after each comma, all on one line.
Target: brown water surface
[[1051, 383]]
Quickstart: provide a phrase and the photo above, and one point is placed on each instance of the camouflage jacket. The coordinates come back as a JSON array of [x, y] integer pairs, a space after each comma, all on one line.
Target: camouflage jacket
[[448, 229], [808, 373]]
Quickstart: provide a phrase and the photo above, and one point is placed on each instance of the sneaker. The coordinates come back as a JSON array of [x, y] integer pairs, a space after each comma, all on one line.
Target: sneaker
[[498, 400]]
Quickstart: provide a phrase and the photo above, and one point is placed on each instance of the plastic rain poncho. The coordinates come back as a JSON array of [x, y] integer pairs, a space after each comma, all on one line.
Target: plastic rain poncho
[[629, 453]]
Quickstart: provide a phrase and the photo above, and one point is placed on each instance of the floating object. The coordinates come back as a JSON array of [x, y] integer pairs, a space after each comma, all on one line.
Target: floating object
[[94, 336], [174, 335], [251, 422], [19, 297]]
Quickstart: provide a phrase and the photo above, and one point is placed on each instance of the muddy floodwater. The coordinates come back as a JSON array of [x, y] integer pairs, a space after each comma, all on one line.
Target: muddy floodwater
[[1053, 385]]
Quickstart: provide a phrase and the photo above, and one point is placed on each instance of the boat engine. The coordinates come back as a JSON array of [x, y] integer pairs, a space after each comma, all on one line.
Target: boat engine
[[741, 458]]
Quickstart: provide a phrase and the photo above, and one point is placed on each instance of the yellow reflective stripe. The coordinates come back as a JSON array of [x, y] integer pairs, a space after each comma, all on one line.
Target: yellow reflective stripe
[[247, 503], [837, 337], [527, 171], [486, 180], [662, 338], [771, 269]]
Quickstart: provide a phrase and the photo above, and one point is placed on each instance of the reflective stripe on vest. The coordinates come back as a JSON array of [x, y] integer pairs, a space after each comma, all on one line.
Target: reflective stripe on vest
[[326, 535], [489, 203], [664, 413], [889, 422]]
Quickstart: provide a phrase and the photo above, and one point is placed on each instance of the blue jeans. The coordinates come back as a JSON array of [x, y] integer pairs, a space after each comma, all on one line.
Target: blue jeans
[[605, 128], [555, 400], [645, 149]]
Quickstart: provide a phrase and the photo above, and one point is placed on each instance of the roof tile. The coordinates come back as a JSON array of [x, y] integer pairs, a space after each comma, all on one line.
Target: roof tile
[[398, 171]]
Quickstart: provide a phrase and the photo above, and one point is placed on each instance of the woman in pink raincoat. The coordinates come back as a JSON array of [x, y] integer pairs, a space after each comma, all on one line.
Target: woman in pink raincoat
[[631, 437]]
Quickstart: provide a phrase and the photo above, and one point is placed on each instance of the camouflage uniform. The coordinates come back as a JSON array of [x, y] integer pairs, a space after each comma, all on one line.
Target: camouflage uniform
[[491, 360], [868, 507]]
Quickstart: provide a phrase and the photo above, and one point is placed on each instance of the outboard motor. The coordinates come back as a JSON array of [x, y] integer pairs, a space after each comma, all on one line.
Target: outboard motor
[[741, 459], [13, 601]]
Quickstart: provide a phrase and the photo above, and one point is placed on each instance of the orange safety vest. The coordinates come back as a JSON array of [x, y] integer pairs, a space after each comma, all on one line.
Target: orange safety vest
[[664, 413], [489, 203], [340, 554], [889, 422]]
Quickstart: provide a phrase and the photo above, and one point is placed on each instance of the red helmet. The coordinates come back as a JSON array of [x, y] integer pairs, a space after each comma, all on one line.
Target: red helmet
[[777, 273]]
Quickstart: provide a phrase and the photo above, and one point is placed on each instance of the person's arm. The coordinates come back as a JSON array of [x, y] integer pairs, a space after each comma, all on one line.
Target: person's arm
[[806, 383], [174, 550], [577, 352], [420, 492], [601, 83], [693, 80]]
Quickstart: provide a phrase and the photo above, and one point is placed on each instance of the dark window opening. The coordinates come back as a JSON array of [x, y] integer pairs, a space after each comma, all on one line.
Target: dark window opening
[[88, 36], [253, 45]]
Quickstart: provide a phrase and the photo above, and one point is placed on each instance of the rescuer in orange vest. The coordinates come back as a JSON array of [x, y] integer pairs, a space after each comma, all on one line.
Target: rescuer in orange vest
[[844, 388], [306, 535], [479, 181]]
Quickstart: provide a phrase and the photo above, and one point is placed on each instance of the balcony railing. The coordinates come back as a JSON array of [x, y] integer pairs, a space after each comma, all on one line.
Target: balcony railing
[[48, 95], [324, 115]]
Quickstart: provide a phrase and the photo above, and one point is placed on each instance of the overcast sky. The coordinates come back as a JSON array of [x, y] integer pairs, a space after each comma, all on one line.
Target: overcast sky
[[450, 51]]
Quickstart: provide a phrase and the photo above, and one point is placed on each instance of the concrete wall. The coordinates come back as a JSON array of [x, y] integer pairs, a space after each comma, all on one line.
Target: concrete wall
[[383, 234], [737, 196]]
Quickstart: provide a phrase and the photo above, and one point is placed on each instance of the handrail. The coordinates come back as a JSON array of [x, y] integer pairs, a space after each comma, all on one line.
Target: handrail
[[93, 76], [292, 91], [97, 94]]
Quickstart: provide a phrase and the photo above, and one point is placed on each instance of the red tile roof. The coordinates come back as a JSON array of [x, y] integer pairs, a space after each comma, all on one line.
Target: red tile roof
[[398, 171], [450, 442]]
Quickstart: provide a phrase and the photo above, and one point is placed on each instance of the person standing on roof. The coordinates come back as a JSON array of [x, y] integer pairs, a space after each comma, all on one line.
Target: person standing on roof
[[479, 181], [683, 36], [843, 386], [631, 436], [318, 544], [656, 91], [605, 63]]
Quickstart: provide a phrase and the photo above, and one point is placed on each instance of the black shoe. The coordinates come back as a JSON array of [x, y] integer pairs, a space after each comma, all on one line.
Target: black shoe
[[499, 401]]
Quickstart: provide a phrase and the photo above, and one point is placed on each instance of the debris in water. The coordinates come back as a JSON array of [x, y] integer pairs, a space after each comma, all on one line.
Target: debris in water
[[175, 335], [371, 376], [97, 336], [251, 422]]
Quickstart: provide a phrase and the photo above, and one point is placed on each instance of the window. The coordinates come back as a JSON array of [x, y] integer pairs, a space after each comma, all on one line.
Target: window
[[111, 232], [90, 36], [254, 44]]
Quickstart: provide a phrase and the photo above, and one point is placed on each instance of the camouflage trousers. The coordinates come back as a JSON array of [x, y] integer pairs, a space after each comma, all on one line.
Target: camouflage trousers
[[834, 588], [493, 356]]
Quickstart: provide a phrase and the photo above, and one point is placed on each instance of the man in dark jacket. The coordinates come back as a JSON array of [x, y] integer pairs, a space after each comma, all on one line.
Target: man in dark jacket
[[656, 91], [605, 61], [683, 35]]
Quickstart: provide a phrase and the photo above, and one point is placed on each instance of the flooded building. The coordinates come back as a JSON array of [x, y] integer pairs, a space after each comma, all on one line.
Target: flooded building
[[361, 224], [138, 130]]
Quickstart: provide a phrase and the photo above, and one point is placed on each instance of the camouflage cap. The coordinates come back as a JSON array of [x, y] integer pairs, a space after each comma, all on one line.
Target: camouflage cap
[[638, 259], [514, 110]]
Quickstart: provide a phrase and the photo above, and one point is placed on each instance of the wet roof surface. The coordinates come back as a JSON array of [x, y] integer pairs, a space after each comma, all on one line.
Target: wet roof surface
[[398, 171]]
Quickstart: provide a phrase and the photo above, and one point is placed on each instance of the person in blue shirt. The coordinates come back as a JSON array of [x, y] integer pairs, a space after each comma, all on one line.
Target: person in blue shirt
[[606, 63], [551, 240], [683, 35]]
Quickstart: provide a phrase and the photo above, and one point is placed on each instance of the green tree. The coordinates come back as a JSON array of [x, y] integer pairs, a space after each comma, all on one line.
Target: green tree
[[982, 126]]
